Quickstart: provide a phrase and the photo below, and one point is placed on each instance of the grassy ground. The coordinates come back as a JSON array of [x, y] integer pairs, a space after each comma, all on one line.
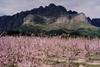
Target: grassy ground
[[93, 66]]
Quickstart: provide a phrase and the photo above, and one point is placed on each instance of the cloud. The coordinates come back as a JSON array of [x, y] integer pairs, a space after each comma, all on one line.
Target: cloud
[[89, 7]]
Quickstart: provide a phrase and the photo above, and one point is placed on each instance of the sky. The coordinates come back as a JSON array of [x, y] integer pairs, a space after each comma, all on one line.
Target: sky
[[90, 7]]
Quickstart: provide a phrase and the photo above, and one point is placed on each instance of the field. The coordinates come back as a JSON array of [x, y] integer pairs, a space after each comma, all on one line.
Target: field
[[24, 51]]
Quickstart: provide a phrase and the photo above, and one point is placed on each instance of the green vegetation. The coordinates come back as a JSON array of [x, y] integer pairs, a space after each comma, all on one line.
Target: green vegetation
[[79, 29]]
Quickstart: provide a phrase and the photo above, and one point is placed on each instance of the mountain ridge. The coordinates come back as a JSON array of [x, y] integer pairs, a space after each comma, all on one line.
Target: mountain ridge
[[52, 14]]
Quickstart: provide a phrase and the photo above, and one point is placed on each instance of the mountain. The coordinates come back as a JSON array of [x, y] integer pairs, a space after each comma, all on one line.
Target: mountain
[[51, 12], [48, 18], [96, 22]]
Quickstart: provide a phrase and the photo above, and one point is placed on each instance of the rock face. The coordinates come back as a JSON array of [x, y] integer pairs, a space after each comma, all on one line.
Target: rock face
[[41, 15], [79, 18], [62, 19], [73, 18], [28, 19]]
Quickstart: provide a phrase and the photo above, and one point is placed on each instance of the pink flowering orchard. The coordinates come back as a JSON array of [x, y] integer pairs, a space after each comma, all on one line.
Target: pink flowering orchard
[[39, 51]]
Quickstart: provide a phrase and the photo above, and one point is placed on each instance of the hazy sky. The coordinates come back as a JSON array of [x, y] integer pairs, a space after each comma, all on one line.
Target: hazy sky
[[90, 7]]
